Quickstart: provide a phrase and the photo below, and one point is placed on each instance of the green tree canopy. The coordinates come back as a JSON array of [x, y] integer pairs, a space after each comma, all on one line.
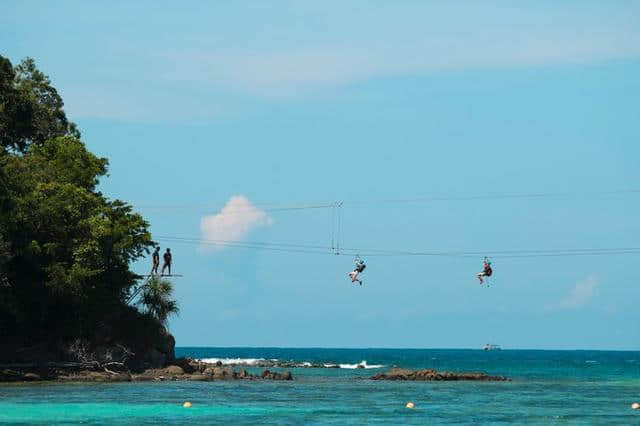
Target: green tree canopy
[[65, 249], [70, 246], [31, 110]]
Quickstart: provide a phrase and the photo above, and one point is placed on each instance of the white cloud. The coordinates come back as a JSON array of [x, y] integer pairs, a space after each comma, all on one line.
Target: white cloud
[[202, 71], [234, 222], [579, 295], [290, 71]]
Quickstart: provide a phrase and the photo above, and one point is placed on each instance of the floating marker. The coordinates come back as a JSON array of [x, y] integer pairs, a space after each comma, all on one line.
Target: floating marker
[[635, 406], [187, 404], [410, 405]]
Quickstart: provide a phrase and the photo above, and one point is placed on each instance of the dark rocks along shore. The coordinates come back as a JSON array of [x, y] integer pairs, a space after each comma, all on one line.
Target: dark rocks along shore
[[188, 369], [181, 369]]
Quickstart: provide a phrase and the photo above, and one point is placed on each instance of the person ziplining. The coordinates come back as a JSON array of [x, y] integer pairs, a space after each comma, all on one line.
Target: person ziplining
[[359, 267], [486, 270]]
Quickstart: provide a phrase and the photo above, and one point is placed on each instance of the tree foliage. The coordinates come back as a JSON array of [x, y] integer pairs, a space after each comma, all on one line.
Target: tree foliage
[[156, 299], [31, 110], [65, 249]]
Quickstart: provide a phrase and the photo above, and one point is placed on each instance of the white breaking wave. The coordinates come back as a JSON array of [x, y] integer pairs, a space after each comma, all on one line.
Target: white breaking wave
[[362, 364], [233, 361], [276, 362]]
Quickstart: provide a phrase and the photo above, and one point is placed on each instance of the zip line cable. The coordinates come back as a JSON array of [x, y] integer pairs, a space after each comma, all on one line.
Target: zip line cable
[[248, 246], [344, 251], [336, 230], [605, 252], [233, 242]]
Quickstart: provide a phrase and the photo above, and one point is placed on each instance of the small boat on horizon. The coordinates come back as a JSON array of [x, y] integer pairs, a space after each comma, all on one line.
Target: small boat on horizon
[[490, 347]]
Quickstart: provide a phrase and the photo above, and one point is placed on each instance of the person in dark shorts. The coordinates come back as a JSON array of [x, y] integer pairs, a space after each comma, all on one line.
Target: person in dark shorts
[[167, 261], [357, 271], [486, 270], [156, 261]]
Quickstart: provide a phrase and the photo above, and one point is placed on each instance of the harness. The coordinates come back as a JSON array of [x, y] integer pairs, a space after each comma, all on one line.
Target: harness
[[488, 271]]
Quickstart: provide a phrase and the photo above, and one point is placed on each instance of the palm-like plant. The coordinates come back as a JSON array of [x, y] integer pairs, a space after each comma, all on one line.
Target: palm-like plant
[[156, 298]]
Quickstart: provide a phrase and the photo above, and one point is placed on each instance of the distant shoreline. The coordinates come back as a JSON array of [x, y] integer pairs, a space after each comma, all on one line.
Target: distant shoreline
[[479, 349], [195, 370]]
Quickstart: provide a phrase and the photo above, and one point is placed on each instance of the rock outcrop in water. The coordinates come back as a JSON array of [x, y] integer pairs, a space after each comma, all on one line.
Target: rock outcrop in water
[[434, 375]]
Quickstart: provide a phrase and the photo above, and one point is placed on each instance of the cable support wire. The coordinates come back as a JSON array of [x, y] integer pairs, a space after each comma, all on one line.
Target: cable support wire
[[338, 239], [333, 227], [275, 207], [495, 197]]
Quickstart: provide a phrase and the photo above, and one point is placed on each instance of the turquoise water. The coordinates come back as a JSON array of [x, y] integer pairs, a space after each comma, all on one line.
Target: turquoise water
[[548, 387]]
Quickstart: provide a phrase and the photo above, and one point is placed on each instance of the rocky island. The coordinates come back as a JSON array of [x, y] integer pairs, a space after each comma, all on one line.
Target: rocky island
[[429, 375]]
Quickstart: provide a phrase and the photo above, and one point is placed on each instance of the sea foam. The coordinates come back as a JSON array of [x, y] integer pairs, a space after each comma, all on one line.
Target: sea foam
[[263, 362], [233, 361], [362, 364]]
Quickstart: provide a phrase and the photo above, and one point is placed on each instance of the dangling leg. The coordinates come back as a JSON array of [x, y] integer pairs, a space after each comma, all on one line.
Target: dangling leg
[[480, 277]]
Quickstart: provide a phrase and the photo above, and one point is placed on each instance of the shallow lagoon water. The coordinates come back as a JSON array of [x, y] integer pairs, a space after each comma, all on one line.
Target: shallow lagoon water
[[548, 387]]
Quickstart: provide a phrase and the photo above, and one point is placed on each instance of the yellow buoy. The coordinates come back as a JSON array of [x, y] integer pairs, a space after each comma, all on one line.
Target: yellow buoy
[[410, 405], [635, 406], [187, 404]]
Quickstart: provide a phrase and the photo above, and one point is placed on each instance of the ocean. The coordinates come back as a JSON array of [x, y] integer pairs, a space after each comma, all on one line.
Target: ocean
[[547, 387]]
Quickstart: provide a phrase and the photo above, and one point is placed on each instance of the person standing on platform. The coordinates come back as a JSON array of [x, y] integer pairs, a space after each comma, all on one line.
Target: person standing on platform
[[156, 261], [167, 261]]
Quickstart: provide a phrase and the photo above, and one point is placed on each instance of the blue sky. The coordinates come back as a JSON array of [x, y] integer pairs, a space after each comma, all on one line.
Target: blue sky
[[296, 103]]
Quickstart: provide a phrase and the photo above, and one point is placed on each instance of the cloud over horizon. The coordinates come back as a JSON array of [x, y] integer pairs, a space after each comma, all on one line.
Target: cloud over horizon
[[207, 68], [292, 71], [579, 295], [234, 222]]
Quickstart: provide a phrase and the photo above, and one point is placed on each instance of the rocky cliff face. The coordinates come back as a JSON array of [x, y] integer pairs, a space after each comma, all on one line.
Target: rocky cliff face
[[161, 352], [126, 336], [149, 345]]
